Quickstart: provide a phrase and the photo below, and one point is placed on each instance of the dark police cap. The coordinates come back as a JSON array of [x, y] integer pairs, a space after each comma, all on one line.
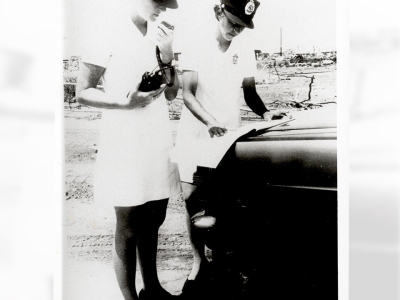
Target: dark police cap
[[241, 11], [168, 3]]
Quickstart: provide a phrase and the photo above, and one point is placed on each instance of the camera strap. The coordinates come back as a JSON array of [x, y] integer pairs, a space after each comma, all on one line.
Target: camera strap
[[164, 67]]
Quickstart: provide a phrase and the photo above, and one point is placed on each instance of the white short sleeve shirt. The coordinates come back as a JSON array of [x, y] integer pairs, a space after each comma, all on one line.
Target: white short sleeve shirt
[[220, 76], [133, 165]]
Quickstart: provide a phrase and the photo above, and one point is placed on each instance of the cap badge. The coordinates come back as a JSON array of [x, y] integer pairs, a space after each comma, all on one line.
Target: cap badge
[[235, 59], [249, 8]]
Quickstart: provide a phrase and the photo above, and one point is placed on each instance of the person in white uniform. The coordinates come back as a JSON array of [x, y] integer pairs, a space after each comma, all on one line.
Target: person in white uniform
[[214, 70], [134, 175]]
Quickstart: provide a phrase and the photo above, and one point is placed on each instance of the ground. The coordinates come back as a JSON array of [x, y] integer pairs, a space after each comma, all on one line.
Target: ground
[[88, 272]]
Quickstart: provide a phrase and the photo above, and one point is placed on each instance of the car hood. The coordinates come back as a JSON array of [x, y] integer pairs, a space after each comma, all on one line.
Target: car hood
[[307, 124], [311, 119]]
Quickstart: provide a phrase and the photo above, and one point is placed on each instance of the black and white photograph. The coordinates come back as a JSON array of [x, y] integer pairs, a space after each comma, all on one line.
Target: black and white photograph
[[276, 124], [200, 150]]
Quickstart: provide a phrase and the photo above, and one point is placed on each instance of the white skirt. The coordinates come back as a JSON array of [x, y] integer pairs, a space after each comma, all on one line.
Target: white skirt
[[133, 164]]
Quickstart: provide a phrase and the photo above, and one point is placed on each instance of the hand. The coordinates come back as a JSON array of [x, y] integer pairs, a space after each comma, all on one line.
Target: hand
[[137, 99], [276, 115], [216, 129], [164, 39]]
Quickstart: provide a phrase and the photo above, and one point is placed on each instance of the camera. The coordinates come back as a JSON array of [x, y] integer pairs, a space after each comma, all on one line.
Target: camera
[[151, 81]]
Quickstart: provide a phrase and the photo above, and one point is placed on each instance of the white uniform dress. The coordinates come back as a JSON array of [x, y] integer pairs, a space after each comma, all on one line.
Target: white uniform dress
[[132, 165], [220, 77]]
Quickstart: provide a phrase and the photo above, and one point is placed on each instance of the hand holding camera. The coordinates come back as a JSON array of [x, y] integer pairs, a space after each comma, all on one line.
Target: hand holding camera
[[166, 74], [151, 81], [138, 99]]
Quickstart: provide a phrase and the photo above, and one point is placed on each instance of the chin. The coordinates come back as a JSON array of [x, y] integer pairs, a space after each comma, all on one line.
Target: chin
[[228, 37], [152, 18]]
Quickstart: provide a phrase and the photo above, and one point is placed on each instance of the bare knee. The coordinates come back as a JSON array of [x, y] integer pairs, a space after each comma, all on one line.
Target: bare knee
[[125, 242], [127, 229]]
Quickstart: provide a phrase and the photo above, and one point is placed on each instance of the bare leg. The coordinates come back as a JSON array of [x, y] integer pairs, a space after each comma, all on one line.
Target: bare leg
[[195, 241], [147, 244], [124, 254], [137, 229]]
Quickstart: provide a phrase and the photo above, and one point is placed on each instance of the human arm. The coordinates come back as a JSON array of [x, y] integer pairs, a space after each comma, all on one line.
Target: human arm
[[172, 91], [252, 98], [87, 93], [189, 91], [254, 101]]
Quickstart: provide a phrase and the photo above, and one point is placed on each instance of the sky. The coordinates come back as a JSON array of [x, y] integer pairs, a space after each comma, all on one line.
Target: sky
[[305, 24]]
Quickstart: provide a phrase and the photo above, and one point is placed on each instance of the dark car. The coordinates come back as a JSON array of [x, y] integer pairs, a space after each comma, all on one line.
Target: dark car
[[276, 230]]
